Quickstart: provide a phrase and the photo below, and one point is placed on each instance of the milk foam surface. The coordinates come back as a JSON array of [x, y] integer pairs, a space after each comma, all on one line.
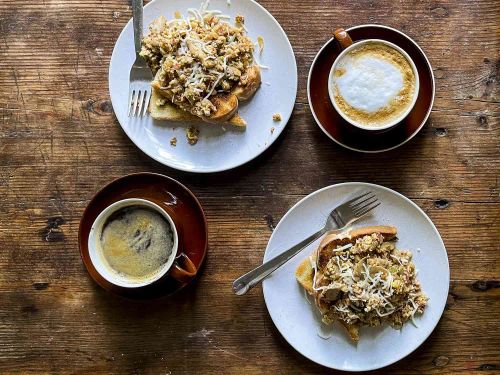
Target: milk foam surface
[[373, 84], [369, 83]]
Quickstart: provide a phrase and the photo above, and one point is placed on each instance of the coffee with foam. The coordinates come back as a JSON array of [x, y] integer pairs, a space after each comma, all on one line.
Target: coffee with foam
[[373, 84], [136, 242]]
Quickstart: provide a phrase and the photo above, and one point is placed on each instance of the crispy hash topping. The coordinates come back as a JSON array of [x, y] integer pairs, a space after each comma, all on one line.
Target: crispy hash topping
[[369, 283], [196, 57]]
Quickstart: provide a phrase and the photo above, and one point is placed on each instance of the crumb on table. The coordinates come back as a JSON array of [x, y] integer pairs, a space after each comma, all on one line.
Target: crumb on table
[[173, 142], [277, 117], [192, 135]]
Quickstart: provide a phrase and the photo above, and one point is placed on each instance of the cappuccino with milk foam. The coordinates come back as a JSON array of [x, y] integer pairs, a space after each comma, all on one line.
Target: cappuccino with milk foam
[[373, 84]]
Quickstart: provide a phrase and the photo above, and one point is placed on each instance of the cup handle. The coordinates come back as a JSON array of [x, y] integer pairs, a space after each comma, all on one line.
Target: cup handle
[[183, 273], [343, 38]]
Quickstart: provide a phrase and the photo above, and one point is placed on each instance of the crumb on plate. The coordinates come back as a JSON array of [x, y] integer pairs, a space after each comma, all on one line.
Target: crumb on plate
[[239, 19], [173, 142], [272, 130], [277, 117], [260, 41], [192, 135]]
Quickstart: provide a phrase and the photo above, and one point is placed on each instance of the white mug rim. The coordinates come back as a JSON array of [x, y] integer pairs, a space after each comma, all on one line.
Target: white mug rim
[[394, 122], [97, 259]]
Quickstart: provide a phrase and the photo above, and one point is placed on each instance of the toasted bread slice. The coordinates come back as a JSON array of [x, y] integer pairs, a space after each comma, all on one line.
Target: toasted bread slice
[[305, 271], [352, 330], [169, 112], [331, 241], [252, 83], [226, 106]]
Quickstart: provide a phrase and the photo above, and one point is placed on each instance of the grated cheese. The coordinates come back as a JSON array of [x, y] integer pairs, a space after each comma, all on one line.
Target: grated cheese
[[367, 296], [203, 80], [345, 247], [259, 64]]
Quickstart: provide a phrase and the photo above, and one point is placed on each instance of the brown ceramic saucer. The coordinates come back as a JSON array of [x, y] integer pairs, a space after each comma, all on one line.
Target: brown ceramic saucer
[[340, 130], [173, 197]]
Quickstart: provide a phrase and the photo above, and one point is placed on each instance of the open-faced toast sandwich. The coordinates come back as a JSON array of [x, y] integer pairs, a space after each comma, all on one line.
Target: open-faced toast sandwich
[[203, 68], [359, 278]]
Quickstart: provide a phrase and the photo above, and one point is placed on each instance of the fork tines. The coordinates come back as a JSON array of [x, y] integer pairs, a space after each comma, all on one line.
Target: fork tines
[[138, 102], [363, 203]]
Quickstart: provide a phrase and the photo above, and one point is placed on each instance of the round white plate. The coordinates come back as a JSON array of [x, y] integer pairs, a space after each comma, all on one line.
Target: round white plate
[[298, 321], [217, 149]]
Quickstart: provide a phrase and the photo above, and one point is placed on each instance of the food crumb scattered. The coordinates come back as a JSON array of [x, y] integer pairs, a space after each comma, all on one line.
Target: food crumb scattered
[[277, 117], [260, 41], [192, 135], [173, 142], [272, 130], [239, 19]]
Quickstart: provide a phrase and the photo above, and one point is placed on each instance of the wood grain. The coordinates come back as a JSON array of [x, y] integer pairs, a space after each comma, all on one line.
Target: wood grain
[[60, 142]]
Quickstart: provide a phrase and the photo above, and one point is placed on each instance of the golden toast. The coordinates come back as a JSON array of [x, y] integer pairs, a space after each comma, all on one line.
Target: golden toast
[[226, 104], [305, 272], [250, 82], [169, 112]]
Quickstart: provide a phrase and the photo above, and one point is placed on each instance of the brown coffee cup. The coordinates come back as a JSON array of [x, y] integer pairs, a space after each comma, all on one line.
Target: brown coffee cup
[[343, 38], [179, 265]]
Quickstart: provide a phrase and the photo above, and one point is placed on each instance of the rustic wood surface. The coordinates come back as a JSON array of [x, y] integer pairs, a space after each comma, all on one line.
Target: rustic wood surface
[[60, 142]]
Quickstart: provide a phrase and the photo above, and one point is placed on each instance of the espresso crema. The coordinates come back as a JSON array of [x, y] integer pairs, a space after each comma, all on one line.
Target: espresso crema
[[136, 242]]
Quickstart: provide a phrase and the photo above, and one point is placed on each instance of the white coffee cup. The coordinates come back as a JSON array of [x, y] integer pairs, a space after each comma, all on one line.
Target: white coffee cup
[[104, 270], [348, 46]]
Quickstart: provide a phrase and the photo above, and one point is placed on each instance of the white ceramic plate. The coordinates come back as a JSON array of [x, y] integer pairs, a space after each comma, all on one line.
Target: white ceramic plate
[[217, 149], [297, 320]]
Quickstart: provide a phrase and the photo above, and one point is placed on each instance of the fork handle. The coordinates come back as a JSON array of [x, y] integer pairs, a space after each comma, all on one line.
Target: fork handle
[[137, 20], [255, 276]]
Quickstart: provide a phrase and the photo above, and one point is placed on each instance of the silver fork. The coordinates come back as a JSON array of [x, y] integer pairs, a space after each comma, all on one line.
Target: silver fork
[[340, 218], [139, 91]]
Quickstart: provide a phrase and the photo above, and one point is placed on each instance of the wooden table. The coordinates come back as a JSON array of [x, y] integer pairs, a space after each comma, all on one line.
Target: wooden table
[[60, 142]]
